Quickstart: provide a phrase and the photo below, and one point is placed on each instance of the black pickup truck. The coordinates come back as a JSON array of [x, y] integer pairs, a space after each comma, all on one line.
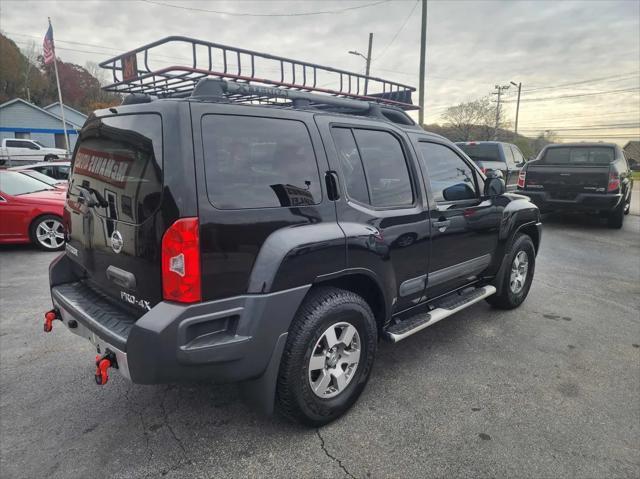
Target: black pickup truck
[[589, 177], [497, 156]]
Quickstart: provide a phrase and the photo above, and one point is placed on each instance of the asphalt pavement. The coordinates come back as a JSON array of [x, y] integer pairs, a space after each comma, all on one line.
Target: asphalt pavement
[[549, 390]]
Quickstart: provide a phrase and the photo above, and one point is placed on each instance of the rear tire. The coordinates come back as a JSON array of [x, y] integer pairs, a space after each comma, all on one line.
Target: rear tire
[[47, 233], [520, 263], [328, 357], [615, 219]]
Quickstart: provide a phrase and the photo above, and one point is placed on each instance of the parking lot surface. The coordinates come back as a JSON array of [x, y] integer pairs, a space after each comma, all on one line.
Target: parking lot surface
[[549, 390]]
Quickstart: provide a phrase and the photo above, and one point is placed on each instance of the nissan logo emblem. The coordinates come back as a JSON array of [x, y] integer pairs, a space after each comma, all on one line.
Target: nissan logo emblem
[[116, 241]]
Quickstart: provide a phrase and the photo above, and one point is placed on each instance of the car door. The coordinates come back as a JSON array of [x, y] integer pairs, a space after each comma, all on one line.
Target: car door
[[13, 214], [465, 225], [381, 205]]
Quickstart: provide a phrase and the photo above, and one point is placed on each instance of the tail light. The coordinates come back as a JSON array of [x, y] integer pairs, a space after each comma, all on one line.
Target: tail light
[[522, 178], [181, 278], [614, 181]]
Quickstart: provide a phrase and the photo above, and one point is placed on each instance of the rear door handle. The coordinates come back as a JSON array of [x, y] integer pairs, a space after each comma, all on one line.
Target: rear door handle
[[442, 225], [331, 180]]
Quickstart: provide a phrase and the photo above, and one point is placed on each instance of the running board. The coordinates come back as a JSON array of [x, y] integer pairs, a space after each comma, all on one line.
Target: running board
[[445, 308]]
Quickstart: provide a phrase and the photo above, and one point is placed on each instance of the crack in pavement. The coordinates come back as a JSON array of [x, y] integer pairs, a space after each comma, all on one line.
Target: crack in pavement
[[170, 428], [333, 458], [145, 433]]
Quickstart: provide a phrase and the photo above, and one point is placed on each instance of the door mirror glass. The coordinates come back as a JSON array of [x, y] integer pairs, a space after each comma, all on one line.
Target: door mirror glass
[[457, 192]]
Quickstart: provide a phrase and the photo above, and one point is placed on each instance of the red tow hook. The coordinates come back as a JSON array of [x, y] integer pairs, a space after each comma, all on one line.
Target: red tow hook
[[103, 363], [49, 318]]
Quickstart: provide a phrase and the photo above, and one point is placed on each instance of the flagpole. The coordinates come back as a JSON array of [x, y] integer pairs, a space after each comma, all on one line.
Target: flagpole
[[55, 67]]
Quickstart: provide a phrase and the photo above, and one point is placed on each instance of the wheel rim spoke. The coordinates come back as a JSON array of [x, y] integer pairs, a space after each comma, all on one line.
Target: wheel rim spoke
[[341, 380], [317, 362], [320, 386], [330, 337], [351, 357], [347, 335]]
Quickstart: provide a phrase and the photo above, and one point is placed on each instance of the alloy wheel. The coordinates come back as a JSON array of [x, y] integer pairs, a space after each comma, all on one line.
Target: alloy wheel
[[519, 270], [334, 360], [50, 233]]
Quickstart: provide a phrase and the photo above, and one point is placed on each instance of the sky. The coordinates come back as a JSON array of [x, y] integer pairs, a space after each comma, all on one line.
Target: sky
[[554, 48]]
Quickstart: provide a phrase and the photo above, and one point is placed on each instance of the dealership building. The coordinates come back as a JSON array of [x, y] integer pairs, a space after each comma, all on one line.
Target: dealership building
[[21, 119]]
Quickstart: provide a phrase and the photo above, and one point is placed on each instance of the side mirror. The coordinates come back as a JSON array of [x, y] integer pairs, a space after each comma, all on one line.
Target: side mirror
[[494, 185]]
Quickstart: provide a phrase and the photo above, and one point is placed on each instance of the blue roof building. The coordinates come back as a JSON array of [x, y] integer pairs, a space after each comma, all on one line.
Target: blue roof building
[[21, 119]]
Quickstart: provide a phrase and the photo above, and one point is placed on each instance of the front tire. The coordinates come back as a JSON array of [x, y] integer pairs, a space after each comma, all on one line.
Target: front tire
[[328, 357], [47, 233], [520, 262]]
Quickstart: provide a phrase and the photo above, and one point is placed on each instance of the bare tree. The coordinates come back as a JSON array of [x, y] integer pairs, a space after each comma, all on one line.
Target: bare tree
[[30, 58], [471, 120]]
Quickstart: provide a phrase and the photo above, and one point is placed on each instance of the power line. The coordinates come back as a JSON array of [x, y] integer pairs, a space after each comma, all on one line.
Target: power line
[[593, 80], [239, 14], [384, 50], [609, 92], [584, 128]]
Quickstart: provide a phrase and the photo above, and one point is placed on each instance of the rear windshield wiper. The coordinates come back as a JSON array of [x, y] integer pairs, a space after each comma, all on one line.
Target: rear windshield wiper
[[87, 193]]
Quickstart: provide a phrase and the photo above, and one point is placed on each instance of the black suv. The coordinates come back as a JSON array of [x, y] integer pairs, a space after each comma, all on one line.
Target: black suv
[[274, 245]]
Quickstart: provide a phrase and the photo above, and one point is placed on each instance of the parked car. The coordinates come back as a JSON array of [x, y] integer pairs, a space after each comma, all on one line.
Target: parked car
[[58, 170], [496, 155], [31, 211], [587, 177], [17, 151], [229, 241], [47, 180]]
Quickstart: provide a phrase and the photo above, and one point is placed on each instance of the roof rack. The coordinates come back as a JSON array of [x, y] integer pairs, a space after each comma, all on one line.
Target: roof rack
[[187, 61]]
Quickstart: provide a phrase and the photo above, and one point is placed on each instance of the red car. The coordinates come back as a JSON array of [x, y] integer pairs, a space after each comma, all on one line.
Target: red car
[[30, 211]]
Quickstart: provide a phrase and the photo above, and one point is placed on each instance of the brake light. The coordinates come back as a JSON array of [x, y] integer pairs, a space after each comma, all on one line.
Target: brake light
[[614, 181], [181, 278], [522, 178]]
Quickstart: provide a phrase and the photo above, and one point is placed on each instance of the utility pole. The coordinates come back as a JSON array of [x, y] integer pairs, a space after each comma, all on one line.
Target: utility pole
[[519, 85], [423, 55], [366, 80], [499, 91], [367, 59]]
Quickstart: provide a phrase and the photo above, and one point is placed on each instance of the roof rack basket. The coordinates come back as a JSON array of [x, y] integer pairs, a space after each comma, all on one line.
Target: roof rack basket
[[187, 61]]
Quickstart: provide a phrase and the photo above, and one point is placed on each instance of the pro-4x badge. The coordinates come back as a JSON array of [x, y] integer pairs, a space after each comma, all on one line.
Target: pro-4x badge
[[116, 242]]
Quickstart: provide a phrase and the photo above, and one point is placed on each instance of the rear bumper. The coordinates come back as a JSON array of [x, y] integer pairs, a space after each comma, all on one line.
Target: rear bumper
[[582, 201], [227, 340]]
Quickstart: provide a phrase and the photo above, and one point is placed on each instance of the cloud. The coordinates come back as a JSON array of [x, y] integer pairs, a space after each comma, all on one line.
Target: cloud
[[472, 45]]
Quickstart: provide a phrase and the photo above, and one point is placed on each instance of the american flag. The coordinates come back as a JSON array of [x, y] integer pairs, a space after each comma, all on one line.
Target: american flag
[[47, 46]]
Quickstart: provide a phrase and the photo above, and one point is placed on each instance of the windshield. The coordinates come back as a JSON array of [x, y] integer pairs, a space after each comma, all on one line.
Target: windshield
[[578, 155], [15, 184], [481, 151], [40, 177], [38, 143]]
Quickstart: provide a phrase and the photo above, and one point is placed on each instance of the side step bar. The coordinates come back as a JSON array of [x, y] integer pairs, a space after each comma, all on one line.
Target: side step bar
[[445, 308]]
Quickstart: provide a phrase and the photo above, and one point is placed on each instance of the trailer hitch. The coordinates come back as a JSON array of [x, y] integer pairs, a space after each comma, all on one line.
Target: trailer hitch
[[49, 318], [103, 363]]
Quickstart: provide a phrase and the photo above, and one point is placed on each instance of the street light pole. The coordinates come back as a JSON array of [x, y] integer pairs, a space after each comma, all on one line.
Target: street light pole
[[519, 85], [367, 59]]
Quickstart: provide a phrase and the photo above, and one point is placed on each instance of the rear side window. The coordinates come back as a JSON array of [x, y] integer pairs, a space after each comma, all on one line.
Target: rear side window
[[253, 162], [120, 158], [580, 155], [450, 177], [374, 167]]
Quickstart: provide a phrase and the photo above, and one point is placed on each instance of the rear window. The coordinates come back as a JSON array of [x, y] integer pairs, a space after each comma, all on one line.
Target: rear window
[[253, 162], [481, 151], [120, 158], [580, 155]]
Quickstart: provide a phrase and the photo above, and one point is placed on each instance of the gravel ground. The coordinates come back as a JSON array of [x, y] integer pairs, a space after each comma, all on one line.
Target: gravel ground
[[549, 390]]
